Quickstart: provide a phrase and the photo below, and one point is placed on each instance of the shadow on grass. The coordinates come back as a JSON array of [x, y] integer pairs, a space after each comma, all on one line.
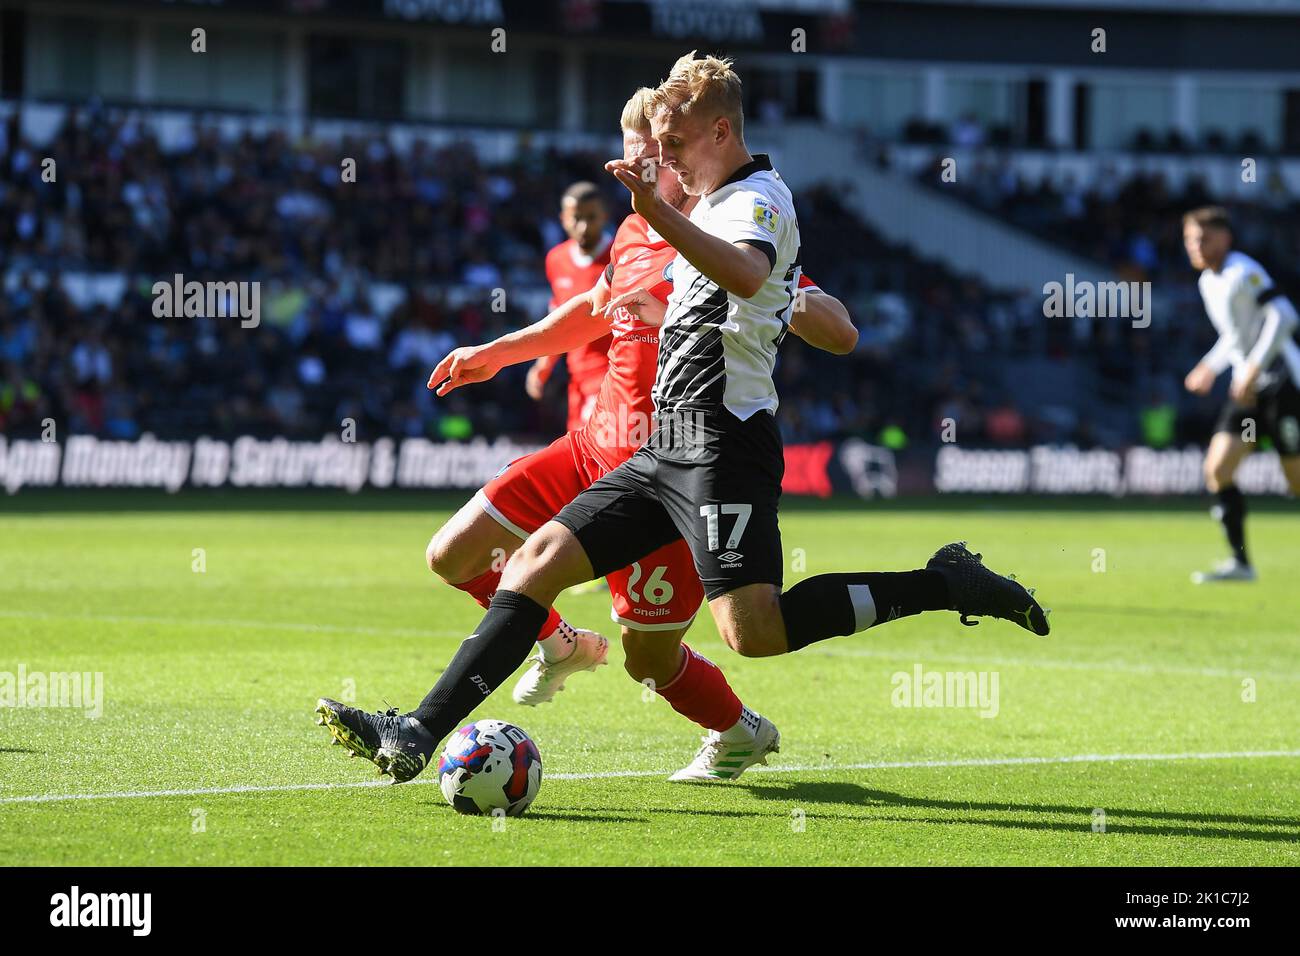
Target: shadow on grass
[[580, 814], [1117, 818], [563, 814], [1112, 828]]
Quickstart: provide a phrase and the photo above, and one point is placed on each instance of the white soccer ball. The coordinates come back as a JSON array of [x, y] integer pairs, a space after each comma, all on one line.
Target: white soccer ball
[[490, 766]]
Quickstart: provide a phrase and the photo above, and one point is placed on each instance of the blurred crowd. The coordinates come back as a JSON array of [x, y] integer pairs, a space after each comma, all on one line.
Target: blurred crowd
[[328, 254], [969, 130], [366, 284], [1132, 223]]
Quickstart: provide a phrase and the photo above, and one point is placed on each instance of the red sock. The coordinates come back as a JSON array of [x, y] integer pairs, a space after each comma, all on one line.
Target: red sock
[[485, 585], [482, 587], [701, 693]]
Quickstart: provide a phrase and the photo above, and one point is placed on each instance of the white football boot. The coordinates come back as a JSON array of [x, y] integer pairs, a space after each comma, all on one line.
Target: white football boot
[[719, 759], [1229, 570], [544, 680]]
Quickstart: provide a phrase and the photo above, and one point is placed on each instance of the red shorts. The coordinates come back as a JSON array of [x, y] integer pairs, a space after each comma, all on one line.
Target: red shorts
[[661, 592]]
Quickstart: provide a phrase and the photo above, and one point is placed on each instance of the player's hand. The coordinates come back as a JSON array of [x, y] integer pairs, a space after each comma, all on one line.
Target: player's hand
[[641, 304], [599, 297], [1199, 380], [535, 383], [1242, 390], [463, 366], [640, 180]]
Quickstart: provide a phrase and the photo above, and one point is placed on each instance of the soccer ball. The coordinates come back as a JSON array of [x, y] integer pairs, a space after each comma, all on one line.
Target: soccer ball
[[490, 766]]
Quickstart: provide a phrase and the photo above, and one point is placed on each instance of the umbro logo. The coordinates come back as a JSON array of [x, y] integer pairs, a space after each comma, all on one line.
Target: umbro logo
[[730, 556]]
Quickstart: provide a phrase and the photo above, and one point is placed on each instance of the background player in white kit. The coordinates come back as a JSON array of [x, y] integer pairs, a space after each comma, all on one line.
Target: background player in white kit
[[1256, 325]]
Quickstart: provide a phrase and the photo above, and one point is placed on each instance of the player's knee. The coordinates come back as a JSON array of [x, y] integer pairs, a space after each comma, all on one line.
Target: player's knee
[[751, 639], [1218, 477], [446, 561], [750, 621], [439, 558], [1216, 472], [634, 659], [546, 563], [639, 668], [745, 643], [654, 657], [525, 563]]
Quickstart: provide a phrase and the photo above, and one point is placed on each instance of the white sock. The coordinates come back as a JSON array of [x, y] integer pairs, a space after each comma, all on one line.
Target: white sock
[[744, 729], [559, 644]]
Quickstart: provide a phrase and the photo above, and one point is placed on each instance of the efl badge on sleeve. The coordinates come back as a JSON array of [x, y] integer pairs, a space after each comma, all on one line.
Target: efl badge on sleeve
[[765, 215]]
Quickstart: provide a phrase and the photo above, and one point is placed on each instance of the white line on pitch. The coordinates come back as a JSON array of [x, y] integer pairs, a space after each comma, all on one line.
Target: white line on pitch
[[839, 650], [614, 774]]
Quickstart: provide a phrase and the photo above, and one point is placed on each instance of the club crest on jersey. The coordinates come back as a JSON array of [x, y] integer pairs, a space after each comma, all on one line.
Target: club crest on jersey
[[668, 271], [766, 215]]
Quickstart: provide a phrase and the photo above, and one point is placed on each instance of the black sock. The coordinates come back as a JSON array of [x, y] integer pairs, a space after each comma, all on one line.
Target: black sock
[[483, 660], [1232, 504], [828, 605]]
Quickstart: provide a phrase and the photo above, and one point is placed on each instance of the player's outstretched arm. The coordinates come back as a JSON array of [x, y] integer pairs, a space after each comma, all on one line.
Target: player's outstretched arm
[[739, 268], [567, 327], [824, 323]]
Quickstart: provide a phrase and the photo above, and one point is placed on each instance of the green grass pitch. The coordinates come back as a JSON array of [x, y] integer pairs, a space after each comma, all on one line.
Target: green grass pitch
[[1136, 707]]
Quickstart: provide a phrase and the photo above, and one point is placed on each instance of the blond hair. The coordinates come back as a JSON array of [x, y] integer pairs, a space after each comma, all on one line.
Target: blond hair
[[707, 85], [636, 111]]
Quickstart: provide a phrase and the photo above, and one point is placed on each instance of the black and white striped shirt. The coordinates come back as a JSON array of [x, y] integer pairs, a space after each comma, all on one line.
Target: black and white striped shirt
[[718, 350]]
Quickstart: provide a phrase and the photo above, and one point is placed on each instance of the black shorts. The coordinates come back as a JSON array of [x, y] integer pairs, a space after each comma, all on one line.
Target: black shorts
[[709, 478], [1276, 414]]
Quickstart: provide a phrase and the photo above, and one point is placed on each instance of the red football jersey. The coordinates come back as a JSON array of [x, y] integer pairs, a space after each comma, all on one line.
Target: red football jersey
[[571, 272], [621, 419]]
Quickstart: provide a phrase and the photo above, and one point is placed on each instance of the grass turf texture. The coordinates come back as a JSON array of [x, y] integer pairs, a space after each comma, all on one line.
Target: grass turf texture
[[211, 679]]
